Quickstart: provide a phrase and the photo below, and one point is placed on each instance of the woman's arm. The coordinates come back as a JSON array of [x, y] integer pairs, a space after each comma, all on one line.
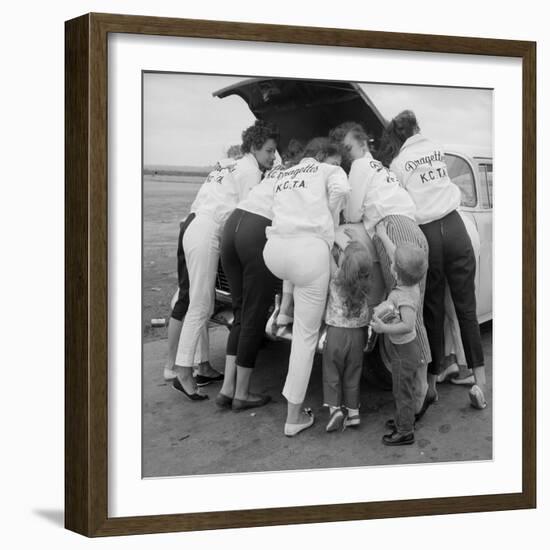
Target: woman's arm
[[338, 188], [358, 178], [407, 323], [245, 180]]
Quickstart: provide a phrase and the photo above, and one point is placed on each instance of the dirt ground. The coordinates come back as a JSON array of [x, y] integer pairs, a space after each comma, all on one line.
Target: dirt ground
[[166, 202], [184, 438]]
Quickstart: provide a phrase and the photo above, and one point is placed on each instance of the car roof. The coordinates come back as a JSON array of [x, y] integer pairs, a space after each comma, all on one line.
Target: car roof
[[303, 109]]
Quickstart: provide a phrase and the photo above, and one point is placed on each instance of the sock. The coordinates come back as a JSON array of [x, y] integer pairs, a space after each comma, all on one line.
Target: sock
[[353, 412]]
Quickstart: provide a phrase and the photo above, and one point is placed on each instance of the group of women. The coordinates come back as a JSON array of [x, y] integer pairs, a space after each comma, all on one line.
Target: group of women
[[278, 222]]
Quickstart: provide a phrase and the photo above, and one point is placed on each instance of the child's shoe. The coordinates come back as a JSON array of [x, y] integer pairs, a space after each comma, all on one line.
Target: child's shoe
[[395, 438], [336, 420], [352, 420]]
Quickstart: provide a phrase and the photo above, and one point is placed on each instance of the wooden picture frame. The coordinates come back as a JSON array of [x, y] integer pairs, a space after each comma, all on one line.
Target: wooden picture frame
[[86, 281]]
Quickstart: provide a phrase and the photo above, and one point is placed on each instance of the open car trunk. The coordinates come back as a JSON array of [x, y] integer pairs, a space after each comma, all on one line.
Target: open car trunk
[[303, 109]]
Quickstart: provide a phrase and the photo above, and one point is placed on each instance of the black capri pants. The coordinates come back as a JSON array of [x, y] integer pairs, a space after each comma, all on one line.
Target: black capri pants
[[451, 257], [182, 304], [252, 284]]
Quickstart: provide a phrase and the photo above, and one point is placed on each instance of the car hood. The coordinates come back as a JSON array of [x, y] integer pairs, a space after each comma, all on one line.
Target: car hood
[[303, 109]]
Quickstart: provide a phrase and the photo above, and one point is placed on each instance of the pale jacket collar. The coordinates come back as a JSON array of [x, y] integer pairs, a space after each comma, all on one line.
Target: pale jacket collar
[[308, 159], [367, 155], [252, 160]]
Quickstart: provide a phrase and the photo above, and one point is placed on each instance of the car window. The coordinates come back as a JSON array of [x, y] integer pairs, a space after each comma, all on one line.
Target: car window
[[461, 174], [486, 181]]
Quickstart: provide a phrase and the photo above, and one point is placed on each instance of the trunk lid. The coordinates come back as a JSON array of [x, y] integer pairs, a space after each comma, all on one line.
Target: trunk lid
[[303, 109]]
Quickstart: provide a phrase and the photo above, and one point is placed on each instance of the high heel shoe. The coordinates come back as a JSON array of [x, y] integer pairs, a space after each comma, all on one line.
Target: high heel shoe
[[196, 396]]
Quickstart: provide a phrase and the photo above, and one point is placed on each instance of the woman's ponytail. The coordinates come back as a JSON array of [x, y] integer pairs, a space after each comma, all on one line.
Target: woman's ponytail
[[399, 130]]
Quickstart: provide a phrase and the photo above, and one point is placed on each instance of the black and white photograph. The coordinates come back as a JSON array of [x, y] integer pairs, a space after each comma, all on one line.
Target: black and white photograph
[[317, 274], [279, 299]]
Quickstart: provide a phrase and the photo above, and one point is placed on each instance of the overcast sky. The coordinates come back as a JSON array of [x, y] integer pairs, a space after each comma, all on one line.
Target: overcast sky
[[185, 125]]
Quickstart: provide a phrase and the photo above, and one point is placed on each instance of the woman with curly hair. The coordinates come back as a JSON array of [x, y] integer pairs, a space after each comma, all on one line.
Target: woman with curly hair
[[419, 163], [252, 288], [223, 189]]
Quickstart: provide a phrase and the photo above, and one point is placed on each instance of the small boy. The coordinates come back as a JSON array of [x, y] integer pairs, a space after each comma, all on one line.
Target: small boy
[[409, 265]]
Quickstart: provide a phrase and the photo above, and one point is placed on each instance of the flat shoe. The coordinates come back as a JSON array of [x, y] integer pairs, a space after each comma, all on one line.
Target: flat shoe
[[477, 399], [396, 438], [205, 380], [169, 374], [294, 429], [176, 384], [223, 401], [352, 421], [448, 374], [466, 381], [242, 405]]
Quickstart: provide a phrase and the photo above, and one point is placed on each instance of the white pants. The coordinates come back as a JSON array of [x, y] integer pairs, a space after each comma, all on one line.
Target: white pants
[[201, 351], [201, 244], [304, 261]]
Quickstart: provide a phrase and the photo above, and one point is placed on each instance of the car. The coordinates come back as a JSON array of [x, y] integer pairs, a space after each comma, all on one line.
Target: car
[[303, 109]]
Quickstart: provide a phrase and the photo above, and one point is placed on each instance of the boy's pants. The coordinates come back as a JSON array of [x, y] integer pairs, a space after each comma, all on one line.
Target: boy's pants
[[405, 360]]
